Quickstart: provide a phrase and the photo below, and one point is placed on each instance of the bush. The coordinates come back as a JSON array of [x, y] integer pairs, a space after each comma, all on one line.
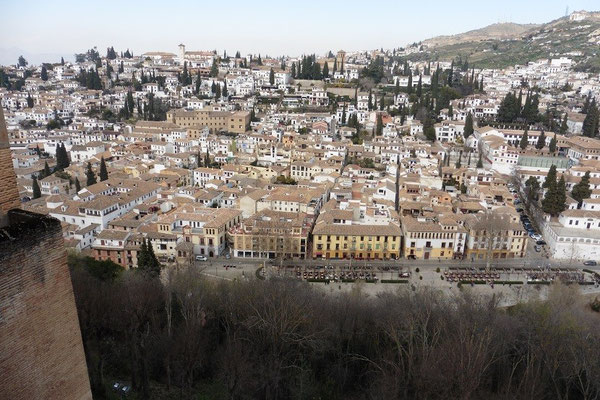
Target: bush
[[417, 270], [437, 270]]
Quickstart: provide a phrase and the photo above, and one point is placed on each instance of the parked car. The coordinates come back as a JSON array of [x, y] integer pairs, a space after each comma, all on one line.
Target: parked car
[[201, 258], [535, 236], [590, 263], [227, 256], [541, 242], [537, 248], [519, 210]]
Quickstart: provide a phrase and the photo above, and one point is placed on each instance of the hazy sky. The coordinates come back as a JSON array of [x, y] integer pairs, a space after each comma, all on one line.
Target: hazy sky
[[269, 27]]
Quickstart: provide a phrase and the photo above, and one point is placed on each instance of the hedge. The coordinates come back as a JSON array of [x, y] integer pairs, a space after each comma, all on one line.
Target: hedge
[[394, 281], [539, 283], [317, 280]]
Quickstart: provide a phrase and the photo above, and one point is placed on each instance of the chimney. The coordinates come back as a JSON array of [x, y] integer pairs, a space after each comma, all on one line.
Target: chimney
[[9, 194]]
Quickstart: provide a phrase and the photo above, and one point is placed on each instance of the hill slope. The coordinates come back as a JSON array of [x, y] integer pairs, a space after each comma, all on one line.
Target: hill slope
[[576, 36], [498, 31]]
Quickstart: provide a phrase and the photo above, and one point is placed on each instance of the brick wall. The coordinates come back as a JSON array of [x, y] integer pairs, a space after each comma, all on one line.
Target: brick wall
[[41, 352], [9, 194]]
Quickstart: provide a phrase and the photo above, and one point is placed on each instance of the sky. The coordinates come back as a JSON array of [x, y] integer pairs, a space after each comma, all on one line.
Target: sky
[[41, 29]]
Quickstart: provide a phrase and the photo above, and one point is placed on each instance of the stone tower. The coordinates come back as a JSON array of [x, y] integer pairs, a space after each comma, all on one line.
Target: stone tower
[[41, 352]]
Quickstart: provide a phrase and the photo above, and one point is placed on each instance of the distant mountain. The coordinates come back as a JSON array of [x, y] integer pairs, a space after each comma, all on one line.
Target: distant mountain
[[502, 45], [498, 31]]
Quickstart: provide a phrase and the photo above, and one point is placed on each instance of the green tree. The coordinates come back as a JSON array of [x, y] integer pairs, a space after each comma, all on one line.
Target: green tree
[[541, 142], [479, 162], [44, 73], [552, 145], [29, 100], [22, 62], [214, 69], [379, 125], [272, 77], [591, 121], [524, 139], [555, 197], [409, 86], [77, 185], [550, 177], [148, 263], [468, 126], [563, 126], [326, 70], [46, 172], [103, 171], [532, 187], [582, 189], [509, 109], [90, 175], [130, 102], [198, 83], [37, 193], [420, 86]]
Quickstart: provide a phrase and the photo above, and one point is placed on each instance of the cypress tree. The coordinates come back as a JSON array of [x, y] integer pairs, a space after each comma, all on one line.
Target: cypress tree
[[77, 185], [90, 175], [409, 86], [59, 158], [379, 125], [225, 91], [582, 189], [524, 139], [44, 73], [382, 103], [419, 87], [29, 100], [468, 126], [590, 123], [326, 70], [272, 77], [561, 195], [552, 145], [293, 71], [37, 193], [46, 171], [335, 65], [550, 177], [103, 171], [563, 126], [62, 61], [541, 141], [480, 162]]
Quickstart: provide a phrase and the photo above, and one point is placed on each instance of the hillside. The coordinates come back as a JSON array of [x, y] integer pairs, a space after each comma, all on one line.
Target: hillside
[[576, 36], [498, 31]]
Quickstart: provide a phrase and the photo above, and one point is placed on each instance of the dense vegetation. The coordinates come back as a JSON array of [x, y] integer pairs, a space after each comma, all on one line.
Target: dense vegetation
[[280, 339]]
